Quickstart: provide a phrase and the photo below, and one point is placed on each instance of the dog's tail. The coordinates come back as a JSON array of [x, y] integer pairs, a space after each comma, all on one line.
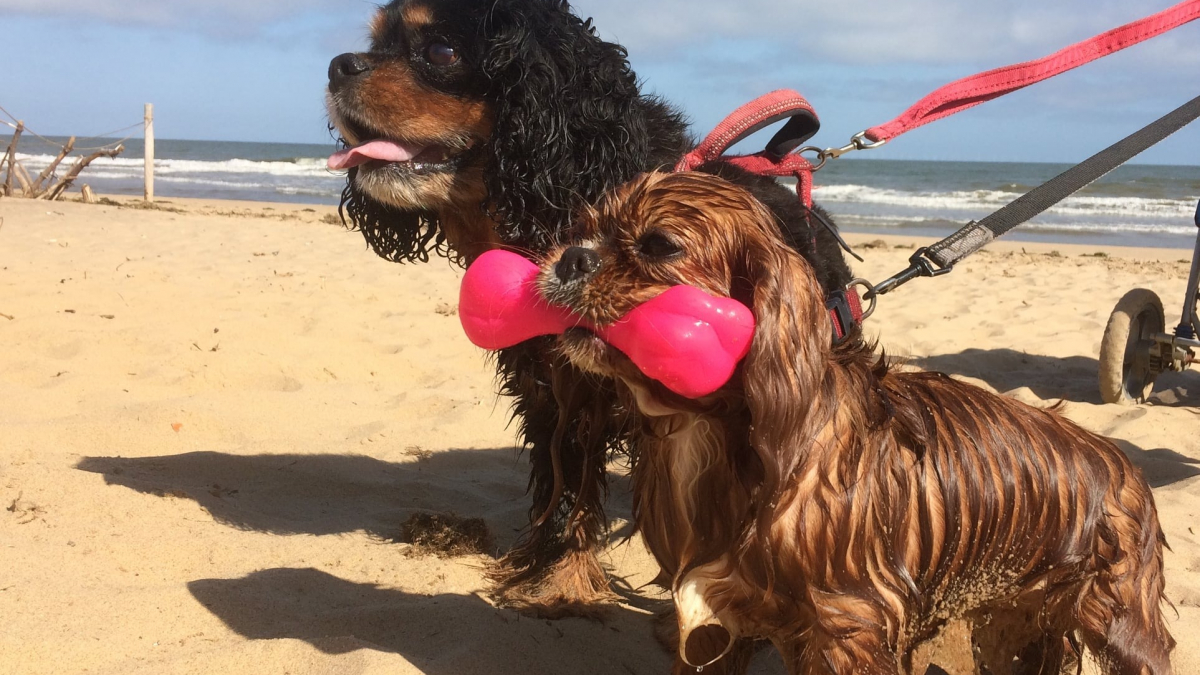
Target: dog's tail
[[1120, 611]]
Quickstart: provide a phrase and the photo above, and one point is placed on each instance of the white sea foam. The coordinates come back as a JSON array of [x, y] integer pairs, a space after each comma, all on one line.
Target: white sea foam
[[307, 167], [1107, 210], [905, 222], [990, 200]]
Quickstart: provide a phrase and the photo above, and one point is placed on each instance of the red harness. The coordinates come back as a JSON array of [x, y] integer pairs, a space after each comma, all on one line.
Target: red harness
[[779, 159]]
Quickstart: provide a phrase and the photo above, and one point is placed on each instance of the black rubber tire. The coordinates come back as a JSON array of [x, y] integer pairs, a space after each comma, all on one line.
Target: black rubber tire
[[1125, 373]]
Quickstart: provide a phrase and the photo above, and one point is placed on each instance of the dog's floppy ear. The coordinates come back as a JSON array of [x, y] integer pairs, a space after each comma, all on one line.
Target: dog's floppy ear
[[783, 372], [569, 122], [394, 234]]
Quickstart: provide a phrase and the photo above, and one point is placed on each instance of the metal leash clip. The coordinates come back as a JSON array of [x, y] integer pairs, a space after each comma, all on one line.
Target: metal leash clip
[[918, 266], [857, 142]]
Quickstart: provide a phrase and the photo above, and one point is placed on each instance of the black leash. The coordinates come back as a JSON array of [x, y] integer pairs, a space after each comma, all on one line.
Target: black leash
[[940, 258]]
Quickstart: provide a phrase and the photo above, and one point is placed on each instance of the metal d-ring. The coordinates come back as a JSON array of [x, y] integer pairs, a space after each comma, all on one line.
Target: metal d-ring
[[822, 156], [870, 294]]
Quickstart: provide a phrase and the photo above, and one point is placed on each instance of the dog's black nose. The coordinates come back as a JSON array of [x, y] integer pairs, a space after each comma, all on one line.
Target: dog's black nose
[[345, 67], [577, 263]]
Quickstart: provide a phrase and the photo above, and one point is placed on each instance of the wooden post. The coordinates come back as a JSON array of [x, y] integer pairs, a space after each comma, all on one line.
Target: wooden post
[[149, 152], [11, 158]]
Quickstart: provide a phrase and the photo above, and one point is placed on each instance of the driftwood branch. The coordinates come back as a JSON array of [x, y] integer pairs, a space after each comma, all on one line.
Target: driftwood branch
[[49, 171], [23, 179], [10, 156], [57, 190]]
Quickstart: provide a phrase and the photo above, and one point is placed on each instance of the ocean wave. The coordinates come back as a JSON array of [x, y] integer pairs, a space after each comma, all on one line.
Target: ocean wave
[[312, 192], [990, 200], [1120, 228], [302, 166], [907, 222]]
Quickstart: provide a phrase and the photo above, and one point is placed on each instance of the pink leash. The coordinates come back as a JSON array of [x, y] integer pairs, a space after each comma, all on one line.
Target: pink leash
[[971, 91]]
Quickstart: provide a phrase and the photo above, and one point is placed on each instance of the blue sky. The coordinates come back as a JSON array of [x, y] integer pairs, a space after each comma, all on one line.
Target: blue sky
[[254, 70]]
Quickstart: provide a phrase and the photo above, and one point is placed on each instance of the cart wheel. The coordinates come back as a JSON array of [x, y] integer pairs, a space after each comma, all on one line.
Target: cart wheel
[[1126, 368]]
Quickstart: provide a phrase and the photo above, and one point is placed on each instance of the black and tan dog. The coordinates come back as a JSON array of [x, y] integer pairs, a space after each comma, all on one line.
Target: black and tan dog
[[472, 124]]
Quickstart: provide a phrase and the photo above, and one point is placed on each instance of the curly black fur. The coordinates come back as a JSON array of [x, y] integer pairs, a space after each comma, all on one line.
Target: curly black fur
[[569, 123], [394, 234]]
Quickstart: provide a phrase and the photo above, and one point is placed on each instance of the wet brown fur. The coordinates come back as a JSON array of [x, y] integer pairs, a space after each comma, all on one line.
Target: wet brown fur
[[846, 511], [417, 15]]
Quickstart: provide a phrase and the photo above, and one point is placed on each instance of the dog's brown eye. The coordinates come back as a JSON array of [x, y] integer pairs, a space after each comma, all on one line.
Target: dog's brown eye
[[441, 54], [655, 244]]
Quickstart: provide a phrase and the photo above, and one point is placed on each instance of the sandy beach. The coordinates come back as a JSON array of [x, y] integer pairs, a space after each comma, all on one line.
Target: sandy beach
[[214, 417]]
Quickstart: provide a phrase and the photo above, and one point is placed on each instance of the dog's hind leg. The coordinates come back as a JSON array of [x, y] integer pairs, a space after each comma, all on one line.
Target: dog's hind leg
[[862, 652], [567, 424]]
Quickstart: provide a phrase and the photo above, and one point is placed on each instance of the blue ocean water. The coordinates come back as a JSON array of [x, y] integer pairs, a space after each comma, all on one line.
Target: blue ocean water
[[275, 172], [1140, 205], [1136, 205]]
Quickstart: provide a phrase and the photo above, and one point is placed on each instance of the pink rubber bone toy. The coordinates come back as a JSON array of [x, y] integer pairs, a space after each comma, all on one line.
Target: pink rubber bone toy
[[685, 338]]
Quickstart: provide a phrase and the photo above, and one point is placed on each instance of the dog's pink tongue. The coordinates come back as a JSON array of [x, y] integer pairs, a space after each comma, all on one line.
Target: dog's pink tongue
[[384, 151]]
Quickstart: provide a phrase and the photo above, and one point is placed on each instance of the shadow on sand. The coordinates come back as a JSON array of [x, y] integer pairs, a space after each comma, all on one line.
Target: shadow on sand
[[331, 494], [334, 494], [1162, 467], [439, 634], [1074, 378]]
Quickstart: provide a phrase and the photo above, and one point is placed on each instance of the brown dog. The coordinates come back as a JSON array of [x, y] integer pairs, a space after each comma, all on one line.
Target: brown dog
[[841, 510]]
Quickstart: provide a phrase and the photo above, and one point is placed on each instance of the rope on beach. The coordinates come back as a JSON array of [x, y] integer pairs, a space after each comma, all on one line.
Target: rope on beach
[[27, 130], [10, 115], [107, 134], [58, 144]]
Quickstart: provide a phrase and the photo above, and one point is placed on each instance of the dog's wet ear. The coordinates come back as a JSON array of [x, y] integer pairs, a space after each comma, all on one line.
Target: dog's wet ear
[[791, 343], [569, 122]]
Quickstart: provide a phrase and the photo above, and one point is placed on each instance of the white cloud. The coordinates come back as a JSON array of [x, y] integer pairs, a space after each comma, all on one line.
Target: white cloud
[[853, 32], [866, 31], [185, 14]]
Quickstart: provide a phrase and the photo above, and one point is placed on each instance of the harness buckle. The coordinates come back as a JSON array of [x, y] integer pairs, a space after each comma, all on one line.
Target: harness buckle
[[839, 308]]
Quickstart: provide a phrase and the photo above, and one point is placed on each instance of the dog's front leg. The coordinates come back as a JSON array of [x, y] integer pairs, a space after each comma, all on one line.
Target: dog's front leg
[[736, 662], [566, 422]]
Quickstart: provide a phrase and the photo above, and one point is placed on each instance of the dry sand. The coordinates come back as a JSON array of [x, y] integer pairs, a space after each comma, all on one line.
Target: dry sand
[[213, 422]]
